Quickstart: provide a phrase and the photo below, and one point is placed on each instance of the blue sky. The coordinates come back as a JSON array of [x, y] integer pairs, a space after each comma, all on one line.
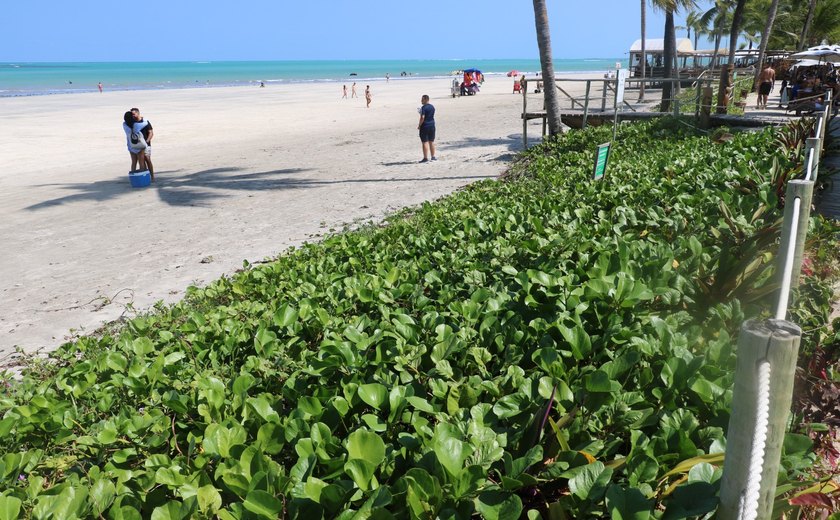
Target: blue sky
[[172, 30]]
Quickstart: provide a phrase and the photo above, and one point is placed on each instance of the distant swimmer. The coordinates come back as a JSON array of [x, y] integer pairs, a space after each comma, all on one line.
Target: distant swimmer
[[100, 87]]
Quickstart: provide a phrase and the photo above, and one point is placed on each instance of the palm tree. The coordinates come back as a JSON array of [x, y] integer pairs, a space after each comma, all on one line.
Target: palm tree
[[803, 40], [669, 54], [826, 23], [765, 37], [693, 21], [737, 16], [552, 101], [717, 17], [670, 51], [643, 64]]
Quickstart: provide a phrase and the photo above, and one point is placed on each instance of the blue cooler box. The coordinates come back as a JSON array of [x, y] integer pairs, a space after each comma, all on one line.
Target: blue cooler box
[[140, 179]]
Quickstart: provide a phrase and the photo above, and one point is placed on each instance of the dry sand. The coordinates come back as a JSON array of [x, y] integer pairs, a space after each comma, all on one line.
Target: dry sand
[[242, 173]]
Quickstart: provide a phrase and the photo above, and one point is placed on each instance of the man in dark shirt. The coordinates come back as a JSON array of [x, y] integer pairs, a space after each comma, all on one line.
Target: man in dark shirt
[[148, 135], [427, 129]]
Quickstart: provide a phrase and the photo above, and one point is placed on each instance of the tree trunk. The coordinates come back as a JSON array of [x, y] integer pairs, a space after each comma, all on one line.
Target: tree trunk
[[737, 16], [552, 100], [765, 37], [696, 41], [803, 40], [715, 60], [668, 60], [643, 64]]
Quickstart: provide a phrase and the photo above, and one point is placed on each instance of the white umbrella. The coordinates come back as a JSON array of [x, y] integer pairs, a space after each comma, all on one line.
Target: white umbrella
[[806, 63], [832, 55], [825, 48]]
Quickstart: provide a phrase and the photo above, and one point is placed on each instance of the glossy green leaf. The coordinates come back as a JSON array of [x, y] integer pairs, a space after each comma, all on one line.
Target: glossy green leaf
[[499, 505], [263, 504], [373, 394]]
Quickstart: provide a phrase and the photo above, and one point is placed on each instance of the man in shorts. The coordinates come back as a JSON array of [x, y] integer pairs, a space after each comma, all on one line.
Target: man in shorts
[[427, 129], [148, 134], [765, 85]]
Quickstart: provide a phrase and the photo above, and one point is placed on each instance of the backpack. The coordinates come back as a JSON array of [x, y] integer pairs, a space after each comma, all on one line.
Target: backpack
[[136, 141]]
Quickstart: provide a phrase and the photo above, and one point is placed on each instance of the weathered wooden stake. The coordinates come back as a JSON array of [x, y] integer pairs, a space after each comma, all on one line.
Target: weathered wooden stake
[[586, 105], [777, 341], [604, 97], [706, 108]]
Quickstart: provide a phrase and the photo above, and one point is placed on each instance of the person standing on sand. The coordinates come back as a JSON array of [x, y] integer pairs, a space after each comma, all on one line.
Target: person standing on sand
[[387, 77], [148, 134], [100, 87], [368, 97], [353, 94], [427, 129], [344, 92], [765, 85], [135, 150]]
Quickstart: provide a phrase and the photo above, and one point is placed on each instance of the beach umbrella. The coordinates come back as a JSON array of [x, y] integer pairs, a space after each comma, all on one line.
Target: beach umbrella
[[472, 71], [513, 73], [805, 63], [832, 55]]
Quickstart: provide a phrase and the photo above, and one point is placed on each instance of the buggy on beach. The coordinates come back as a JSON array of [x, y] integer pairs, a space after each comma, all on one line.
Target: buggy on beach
[[470, 86]]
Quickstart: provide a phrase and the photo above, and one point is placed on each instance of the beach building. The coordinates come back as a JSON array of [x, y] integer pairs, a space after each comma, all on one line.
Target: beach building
[[654, 55], [692, 62]]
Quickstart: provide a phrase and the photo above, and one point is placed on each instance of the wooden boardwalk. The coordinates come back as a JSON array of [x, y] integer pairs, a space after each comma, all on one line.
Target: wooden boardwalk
[[828, 198]]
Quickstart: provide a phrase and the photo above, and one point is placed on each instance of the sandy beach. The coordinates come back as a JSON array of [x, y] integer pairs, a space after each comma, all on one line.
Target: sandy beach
[[242, 174]]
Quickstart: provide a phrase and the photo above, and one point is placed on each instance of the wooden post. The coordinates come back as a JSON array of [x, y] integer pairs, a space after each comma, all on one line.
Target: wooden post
[[777, 342], [698, 101], [586, 105], [804, 191], [725, 89], [525, 116], [604, 97], [675, 101], [706, 108]]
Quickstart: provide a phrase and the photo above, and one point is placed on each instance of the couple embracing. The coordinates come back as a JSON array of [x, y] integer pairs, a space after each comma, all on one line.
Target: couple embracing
[[138, 136]]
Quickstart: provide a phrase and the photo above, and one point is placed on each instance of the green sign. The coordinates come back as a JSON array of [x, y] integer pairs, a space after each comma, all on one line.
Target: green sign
[[601, 158]]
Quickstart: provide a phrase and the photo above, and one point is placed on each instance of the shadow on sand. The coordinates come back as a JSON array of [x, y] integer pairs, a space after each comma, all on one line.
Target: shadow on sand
[[203, 187]]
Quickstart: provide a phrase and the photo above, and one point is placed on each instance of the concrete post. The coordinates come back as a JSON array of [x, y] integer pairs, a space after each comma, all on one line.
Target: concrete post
[[813, 143], [804, 190], [777, 342]]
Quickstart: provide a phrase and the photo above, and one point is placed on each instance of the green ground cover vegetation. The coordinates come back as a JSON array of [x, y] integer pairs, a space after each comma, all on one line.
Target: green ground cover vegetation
[[544, 345]]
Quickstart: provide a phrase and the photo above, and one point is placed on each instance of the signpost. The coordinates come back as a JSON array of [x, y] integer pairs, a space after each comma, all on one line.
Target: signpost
[[602, 157], [620, 82]]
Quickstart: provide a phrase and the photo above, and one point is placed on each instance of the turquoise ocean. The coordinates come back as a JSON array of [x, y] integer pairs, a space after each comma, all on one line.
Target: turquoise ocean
[[29, 79]]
